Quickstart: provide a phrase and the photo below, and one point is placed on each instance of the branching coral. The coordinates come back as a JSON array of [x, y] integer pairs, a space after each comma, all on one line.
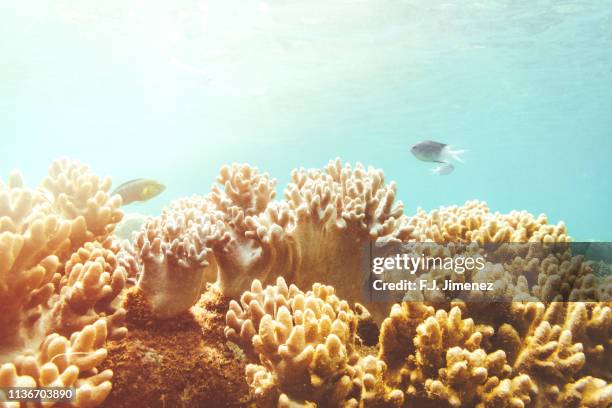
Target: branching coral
[[308, 353], [306, 345], [325, 223], [60, 279], [205, 238], [525, 354], [75, 193], [473, 222], [65, 363], [531, 355], [517, 271]]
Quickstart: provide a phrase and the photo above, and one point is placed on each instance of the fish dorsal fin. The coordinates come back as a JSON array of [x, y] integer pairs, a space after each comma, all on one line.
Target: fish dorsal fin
[[125, 184], [436, 143]]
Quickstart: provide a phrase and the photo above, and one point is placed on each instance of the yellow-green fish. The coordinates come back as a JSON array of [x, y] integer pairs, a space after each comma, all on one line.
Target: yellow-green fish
[[138, 190]]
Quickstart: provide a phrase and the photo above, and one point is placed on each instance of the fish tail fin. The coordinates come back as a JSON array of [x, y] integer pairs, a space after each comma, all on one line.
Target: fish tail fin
[[455, 154]]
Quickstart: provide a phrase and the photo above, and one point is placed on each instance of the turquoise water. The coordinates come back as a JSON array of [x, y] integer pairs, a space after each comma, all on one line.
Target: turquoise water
[[173, 91]]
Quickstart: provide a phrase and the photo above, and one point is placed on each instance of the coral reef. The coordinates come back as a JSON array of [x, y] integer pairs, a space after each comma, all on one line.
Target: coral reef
[[324, 224], [239, 233], [518, 271], [60, 279], [79, 308], [530, 354], [308, 353], [526, 258]]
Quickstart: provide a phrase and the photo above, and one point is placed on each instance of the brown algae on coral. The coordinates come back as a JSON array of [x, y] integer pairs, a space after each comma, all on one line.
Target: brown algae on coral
[[236, 298]]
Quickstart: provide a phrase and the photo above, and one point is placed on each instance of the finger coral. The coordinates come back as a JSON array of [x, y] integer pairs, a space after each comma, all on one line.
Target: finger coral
[[474, 222], [60, 281], [306, 352], [306, 344], [530, 355]]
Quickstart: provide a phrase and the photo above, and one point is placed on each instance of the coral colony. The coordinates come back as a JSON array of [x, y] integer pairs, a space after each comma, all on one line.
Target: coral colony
[[286, 279]]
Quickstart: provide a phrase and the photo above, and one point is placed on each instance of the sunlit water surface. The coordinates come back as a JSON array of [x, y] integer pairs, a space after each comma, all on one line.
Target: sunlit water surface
[[173, 90]]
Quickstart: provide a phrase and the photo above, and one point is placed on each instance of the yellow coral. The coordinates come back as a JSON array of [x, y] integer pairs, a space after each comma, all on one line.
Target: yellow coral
[[529, 354], [306, 345]]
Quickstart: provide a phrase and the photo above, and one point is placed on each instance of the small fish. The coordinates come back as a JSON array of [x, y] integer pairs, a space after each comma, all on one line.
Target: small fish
[[431, 151], [443, 169], [138, 190]]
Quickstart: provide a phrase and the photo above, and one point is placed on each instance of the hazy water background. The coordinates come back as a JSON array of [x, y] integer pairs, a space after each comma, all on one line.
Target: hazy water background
[[174, 90]]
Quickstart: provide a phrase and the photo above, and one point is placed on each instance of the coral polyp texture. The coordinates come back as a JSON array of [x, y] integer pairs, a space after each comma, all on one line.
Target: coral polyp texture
[[306, 348], [239, 232], [308, 353], [528, 354], [474, 222], [60, 280], [324, 224], [172, 250]]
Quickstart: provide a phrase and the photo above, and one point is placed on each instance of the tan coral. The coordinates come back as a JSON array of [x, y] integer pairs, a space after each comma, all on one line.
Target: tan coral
[[587, 392], [82, 197], [464, 374], [325, 223], [206, 238], [473, 222], [526, 355], [517, 271], [173, 253], [255, 244], [242, 186], [339, 211], [508, 393], [57, 281], [66, 363], [306, 344], [449, 363], [91, 287], [398, 331]]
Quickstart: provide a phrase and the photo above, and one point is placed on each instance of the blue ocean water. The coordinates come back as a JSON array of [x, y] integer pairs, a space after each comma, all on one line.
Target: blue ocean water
[[174, 90]]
